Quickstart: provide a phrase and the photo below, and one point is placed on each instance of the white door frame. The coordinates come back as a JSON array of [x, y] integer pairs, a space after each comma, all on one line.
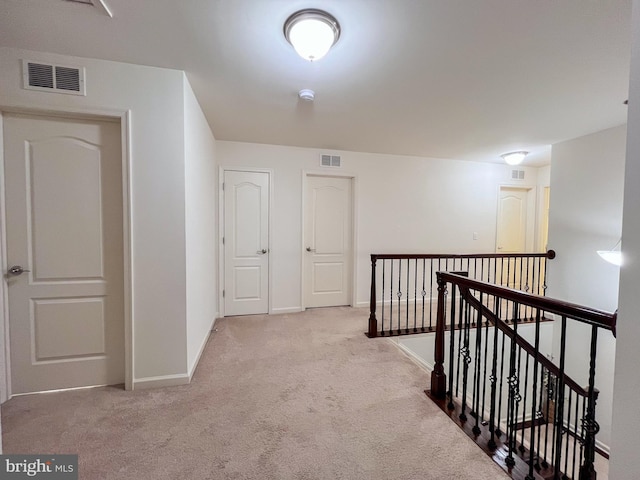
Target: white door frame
[[221, 264], [532, 214], [100, 114], [354, 230]]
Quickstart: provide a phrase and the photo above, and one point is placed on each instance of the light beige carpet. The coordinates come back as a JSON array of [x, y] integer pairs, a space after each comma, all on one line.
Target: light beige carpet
[[303, 396]]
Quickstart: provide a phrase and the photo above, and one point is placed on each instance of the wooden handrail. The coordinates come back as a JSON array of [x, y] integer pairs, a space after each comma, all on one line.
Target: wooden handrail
[[526, 346], [551, 254], [591, 316]]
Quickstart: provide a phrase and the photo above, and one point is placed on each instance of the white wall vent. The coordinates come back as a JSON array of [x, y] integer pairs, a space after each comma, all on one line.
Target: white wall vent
[[517, 174], [330, 160], [53, 78]]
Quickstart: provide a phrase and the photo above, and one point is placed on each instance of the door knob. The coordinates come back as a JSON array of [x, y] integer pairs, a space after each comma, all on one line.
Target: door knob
[[309, 249], [261, 252], [17, 270]]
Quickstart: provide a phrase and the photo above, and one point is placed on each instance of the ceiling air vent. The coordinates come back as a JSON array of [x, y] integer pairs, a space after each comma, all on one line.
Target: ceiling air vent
[[517, 174], [330, 160], [53, 78]]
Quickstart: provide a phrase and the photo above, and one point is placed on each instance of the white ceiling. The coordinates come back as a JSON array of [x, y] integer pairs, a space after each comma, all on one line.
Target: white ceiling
[[465, 79]]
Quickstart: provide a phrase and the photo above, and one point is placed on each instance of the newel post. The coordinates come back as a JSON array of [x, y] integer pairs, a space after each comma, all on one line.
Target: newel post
[[438, 377], [373, 321]]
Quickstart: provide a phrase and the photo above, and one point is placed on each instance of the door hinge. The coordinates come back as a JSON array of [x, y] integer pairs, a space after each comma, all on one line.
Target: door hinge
[[222, 293], [223, 186], [223, 240]]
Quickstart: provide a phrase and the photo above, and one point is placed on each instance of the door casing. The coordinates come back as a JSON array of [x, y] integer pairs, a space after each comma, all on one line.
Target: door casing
[[221, 259], [354, 230], [124, 118]]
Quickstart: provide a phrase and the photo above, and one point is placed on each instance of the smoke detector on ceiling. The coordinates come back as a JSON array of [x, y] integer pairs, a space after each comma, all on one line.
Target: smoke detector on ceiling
[[307, 95]]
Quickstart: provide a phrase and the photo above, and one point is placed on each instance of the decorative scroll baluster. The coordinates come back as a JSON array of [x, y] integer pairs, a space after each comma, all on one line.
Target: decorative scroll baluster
[[513, 400], [493, 381], [484, 375], [476, 372], [590, 426]]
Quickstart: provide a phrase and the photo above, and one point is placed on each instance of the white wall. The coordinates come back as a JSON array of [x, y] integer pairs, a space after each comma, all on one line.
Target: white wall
[[200, 224], [404, 205], [587, 177], [625, 461], [159, 206]]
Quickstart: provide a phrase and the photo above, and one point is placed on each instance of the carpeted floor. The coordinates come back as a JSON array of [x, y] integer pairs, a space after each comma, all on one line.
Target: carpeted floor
[[302, 396]]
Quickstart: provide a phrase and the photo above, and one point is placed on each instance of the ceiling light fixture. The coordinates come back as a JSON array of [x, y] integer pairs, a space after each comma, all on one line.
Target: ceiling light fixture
[[514, 158], [312, 33]]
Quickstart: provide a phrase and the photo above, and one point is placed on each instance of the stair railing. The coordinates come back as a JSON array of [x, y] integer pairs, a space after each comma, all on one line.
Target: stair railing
[[403, 286], [521, 401]]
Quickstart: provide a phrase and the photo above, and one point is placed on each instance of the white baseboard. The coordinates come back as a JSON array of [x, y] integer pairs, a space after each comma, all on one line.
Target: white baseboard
[[411, 354], [161, 381], [193, 367], [287, 310]]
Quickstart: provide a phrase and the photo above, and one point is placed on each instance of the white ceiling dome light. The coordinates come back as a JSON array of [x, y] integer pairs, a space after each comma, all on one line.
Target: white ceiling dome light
[[514, 158], [312, 33]]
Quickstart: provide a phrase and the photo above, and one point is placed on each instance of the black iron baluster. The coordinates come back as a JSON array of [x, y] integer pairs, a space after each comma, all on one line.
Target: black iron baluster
[[424, 293], [431, 295], [408, 292], [560, 401], [460, 341], [391, 294], [493, 380], [466, 356], [512, 400], [524, 403], [535, 415], [526, 289], [568, 430], [399, 294], [415, 295], [550, 393], [382, 296], [583, 433], [541, 417], [476, 371], [498, 430], [575, 437], [484, 375], [590, 426]]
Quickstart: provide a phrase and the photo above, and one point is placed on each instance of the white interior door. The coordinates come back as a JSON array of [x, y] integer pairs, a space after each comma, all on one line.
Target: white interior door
[[513, 220], [328, 241], [63, 185], [246, 242], [514, 230]]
